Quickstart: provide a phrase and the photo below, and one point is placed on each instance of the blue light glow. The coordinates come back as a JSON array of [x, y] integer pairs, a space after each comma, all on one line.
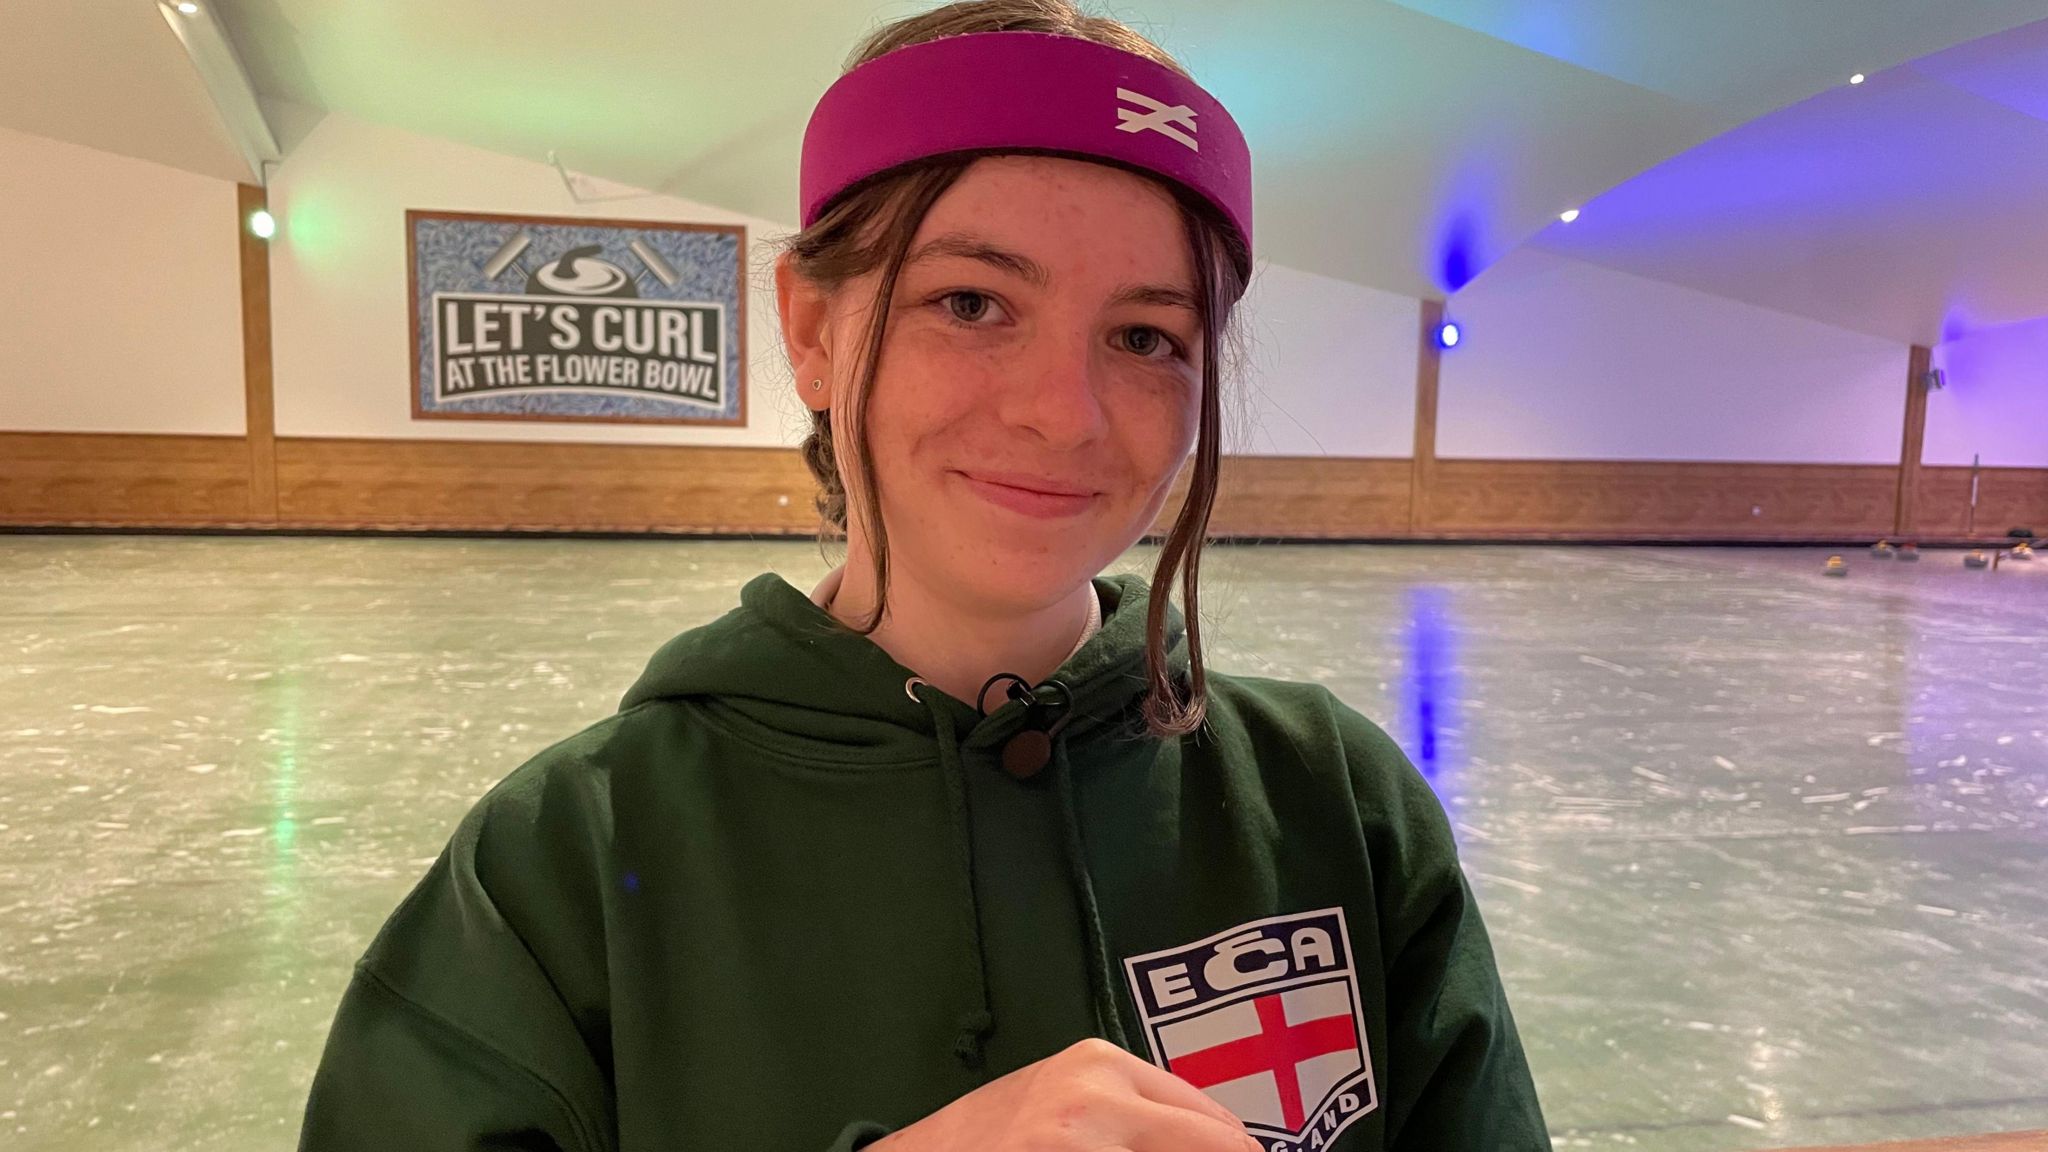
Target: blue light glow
[[1459, 253], [1429, 685]]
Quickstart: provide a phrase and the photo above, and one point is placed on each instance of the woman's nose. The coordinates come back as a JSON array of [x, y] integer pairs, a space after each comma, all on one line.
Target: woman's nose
[[1060, 397]]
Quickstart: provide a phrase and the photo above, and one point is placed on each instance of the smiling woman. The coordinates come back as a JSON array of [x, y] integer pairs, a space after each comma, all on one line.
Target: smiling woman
[[807, 889], [1050, 362], [1036, 281]]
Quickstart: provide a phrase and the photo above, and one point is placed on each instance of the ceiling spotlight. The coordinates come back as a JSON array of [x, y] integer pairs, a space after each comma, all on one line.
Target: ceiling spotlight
[[1569, 215], [188, 7], [263, 224], [1448, 334], [1856, 79]]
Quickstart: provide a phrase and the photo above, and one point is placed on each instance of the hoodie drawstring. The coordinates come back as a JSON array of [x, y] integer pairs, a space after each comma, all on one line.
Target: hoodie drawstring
[[975, 1026], [970, 1044], [1100, 980]]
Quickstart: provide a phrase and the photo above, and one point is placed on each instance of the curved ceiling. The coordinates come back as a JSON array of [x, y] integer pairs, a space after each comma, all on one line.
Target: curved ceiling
[[1913, 206], [109, 74], [1403, 145]]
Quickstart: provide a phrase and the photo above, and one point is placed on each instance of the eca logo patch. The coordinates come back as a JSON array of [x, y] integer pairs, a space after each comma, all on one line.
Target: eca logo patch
[[1265, 1018]]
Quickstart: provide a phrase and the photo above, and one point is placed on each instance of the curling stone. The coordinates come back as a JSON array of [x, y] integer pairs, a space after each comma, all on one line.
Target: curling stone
[[1836, 566], [1909, 552], [1977, 560], [1883, 549]]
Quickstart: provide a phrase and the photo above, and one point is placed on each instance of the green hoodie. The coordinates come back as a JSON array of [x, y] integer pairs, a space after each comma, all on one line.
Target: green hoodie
[[787, 898]]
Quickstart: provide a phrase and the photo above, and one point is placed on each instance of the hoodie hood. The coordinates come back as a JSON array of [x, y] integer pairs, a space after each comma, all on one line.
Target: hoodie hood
[[819, 688], [799, 681]]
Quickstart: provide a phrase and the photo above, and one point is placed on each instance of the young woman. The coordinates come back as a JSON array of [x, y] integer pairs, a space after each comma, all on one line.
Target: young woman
[[965, 849]]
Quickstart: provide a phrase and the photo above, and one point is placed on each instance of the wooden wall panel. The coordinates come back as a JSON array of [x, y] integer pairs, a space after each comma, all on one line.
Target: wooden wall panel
[[112, 480], [1305, 497], [495, 486], [478, 485], [1658, 500], [2006, 498], [87, 479]]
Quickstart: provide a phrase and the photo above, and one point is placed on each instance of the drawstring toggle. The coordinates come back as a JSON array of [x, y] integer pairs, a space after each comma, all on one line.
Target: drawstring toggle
[[1047, 709]]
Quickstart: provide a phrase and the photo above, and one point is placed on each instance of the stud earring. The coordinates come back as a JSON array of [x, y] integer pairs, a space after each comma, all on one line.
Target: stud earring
[[817, 384]]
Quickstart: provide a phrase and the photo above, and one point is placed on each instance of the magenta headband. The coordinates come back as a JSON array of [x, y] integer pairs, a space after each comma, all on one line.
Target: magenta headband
[[1025, 91]]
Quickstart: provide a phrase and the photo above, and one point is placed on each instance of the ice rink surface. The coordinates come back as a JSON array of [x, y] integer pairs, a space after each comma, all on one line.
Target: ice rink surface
[[1764, 852]]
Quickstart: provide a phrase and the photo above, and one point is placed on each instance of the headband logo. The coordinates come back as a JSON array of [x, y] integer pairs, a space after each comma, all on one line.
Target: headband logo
[[1158, 117]]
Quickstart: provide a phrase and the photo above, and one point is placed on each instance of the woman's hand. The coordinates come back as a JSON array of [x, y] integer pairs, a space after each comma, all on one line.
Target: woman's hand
[[1093, 1095]]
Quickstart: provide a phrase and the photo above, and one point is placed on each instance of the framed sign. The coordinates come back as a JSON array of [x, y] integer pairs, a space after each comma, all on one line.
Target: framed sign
[[565, 318]]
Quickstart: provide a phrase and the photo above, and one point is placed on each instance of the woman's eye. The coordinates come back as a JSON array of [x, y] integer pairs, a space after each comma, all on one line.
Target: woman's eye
[[968, 307], [1146, 341], [971, 309]]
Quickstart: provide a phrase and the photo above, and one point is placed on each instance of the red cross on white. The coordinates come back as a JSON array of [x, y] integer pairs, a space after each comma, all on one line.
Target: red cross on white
[[1277, 1047]]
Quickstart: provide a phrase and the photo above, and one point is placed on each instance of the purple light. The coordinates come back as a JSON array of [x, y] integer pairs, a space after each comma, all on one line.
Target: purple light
[[1430, 693]]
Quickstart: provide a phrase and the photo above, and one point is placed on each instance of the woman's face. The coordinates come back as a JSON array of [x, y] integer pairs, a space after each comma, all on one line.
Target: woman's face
[[1040, 379]]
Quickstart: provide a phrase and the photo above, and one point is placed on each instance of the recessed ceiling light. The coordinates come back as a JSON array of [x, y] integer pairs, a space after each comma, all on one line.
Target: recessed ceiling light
[[1856, 79], [188, 7], [1569, 215]]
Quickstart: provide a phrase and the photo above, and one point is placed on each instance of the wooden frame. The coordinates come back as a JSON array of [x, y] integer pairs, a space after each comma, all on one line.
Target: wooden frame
[[257, 396], [1915, 435], [412, 306], [1429, 358]]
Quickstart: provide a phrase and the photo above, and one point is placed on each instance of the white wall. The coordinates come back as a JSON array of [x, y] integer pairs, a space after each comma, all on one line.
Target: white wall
[[1331, 371], [1566, 360], [1331, 368], [120, 310], [129, 322], [1995, 403], [338, 285]]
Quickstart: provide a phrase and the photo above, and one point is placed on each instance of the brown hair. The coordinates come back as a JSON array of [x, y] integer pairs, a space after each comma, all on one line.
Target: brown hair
[[870, 226]]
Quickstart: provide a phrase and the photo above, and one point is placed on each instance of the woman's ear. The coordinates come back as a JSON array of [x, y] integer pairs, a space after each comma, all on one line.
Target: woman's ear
[[806, 333]]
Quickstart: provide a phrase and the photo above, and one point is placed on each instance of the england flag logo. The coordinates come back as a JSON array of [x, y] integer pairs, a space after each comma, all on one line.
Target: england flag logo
[[1264, 1017]]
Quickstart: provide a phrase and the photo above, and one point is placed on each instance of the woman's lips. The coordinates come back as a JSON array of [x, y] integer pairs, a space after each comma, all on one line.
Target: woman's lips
[[1043, 505]]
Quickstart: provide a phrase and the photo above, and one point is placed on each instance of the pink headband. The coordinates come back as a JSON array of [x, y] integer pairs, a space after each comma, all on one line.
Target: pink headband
[[1025, 91]]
